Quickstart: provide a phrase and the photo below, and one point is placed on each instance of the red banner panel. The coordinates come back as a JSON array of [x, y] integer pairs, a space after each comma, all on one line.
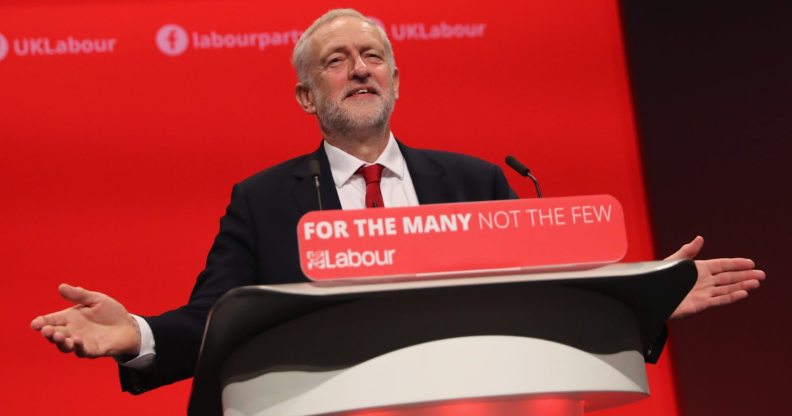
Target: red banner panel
[[124, 125], [463, 238]]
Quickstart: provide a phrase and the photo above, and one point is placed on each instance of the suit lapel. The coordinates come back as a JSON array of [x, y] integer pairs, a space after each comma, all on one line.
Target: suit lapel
[[428, 177], [304, 190]]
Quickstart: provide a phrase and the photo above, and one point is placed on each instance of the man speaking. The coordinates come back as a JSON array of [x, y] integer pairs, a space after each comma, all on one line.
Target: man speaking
[[348, 79]]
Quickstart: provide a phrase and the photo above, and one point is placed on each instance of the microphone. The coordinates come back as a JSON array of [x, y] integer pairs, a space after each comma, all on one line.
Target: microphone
[[524, 171], [315, 169]]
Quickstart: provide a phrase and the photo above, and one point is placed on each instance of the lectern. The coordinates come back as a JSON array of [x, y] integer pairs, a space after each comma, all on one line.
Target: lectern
[[555, 342]]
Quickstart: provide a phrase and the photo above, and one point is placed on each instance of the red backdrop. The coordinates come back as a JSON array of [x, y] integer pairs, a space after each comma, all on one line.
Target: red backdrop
[[116, 166]]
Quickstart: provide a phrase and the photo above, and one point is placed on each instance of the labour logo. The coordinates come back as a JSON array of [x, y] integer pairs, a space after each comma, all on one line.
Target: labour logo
[[317, 259], [172, 40], [3, 47]]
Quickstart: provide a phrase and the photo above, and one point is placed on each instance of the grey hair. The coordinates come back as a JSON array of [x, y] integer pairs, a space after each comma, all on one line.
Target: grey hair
[[300, 58]]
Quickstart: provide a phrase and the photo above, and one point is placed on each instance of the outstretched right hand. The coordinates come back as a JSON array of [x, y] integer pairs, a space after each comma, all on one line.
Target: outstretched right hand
[[96, 326]]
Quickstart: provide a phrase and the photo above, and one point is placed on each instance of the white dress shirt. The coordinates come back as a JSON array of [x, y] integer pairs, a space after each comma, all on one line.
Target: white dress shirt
[[397, 191], [396, 185]]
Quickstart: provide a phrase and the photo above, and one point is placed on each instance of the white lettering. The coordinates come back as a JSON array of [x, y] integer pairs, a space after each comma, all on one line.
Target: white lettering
[[68, 46], [258, 40], [431, 224], [550, 216], [375, 226], [412, 225], [436, 224], [601, 213], [499, 219], [465, 220], [443, 30], [325, 230], [589, 214], [350, 258]]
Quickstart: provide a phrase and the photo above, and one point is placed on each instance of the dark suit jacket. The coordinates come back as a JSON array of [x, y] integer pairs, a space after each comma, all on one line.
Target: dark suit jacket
[[257, 242]]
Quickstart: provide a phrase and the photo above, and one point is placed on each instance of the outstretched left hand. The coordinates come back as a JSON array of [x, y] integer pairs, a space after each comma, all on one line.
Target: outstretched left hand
[[719, 282]]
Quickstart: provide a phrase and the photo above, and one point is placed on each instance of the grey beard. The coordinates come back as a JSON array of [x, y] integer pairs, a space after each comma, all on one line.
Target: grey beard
[[337, 120]]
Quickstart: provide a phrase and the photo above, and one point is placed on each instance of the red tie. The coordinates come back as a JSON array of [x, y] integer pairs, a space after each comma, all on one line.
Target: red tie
[[372, 174]]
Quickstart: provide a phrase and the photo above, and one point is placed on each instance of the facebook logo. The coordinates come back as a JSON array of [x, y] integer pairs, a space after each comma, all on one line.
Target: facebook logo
[[3, 47], [172, 40]]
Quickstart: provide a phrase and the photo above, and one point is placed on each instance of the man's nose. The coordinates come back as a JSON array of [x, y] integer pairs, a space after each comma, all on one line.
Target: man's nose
[[360, 68]]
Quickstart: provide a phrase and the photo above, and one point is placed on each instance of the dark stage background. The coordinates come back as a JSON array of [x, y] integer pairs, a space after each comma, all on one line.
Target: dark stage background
[[712, 91]]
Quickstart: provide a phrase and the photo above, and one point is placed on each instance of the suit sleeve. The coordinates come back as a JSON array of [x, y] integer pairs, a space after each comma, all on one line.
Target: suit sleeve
[[177, 334], [652, 354]]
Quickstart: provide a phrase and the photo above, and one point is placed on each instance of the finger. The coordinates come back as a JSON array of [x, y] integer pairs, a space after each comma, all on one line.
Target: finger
[[85, 349], [37, 323], [79, 295], [49, 332], [732, 297], [727, 278], [65, 345], [62, 341], [79, 348], [689, 250], [57, 318], [58, 337], [727, 265], [736, 287]]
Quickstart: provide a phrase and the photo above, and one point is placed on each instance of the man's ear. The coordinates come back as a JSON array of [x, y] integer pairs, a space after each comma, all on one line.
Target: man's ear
[[396, 82], [305, 98]]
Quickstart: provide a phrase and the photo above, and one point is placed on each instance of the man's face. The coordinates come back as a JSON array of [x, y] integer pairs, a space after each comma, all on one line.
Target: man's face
[[353, 85]]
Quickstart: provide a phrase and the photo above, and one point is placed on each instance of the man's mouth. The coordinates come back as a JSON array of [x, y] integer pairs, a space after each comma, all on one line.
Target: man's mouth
[[361, 91]]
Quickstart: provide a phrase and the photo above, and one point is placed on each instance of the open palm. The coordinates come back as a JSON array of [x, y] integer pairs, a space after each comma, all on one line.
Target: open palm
[[96, 326]]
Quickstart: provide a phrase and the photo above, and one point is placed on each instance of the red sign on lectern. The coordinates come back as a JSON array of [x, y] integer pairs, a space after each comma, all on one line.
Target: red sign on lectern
[[462, 238]]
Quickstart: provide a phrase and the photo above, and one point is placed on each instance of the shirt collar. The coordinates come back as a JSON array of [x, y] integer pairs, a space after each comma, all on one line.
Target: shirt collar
[[343, 165]]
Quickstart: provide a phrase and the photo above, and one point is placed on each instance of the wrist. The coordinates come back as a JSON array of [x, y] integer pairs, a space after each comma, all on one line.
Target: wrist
[[135, 350], [131, 340]]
